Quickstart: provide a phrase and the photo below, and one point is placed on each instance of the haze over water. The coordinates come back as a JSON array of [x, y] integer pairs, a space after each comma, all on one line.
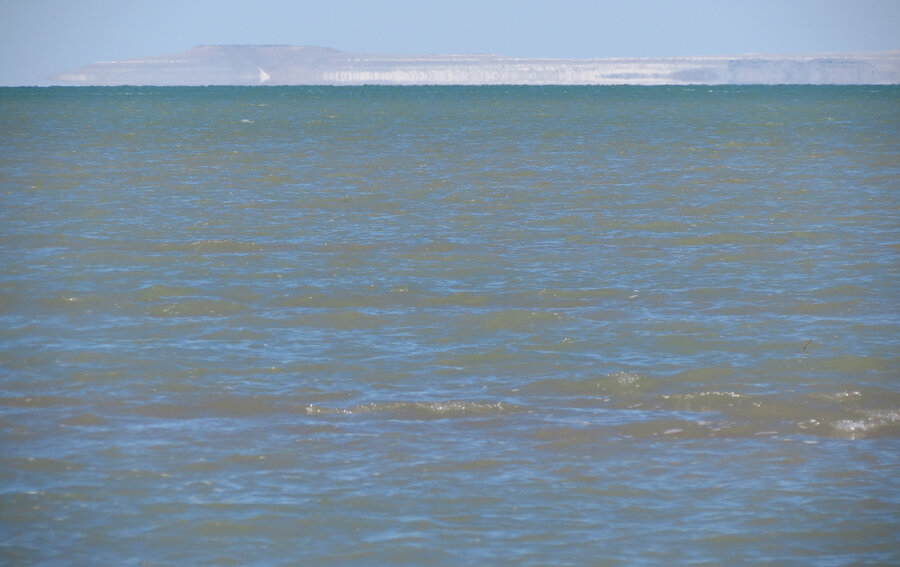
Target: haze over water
[[449, 326]]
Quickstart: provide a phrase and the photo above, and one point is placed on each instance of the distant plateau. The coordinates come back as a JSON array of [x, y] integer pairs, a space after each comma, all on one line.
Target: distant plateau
[[307, 65]]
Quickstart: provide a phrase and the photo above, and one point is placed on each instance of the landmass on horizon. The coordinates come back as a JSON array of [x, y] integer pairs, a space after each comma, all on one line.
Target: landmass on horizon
[[310, 65]]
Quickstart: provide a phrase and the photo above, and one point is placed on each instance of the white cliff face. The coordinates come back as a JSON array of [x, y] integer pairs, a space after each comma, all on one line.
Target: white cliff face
[[537, 72], [296, 65]]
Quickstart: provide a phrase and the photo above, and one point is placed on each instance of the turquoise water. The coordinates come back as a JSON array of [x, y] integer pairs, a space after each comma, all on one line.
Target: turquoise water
[[450, 326]]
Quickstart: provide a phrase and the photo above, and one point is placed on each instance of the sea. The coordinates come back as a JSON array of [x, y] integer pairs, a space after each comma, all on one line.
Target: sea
[[450, 326]]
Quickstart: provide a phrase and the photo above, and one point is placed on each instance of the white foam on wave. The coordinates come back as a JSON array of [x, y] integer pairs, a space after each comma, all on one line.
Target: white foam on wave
[[870, 423]]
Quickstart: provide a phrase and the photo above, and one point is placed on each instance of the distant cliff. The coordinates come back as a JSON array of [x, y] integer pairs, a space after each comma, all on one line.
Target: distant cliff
[[302, 65]]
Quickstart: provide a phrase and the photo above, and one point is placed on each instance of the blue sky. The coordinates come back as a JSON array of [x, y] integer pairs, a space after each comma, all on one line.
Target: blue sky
[[42, 37]]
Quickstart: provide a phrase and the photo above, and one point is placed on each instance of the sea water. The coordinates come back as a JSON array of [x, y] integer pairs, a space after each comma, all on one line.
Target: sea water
[[450, 326]]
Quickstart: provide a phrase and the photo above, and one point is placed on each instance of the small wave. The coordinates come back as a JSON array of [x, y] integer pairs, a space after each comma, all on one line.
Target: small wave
[[333, 301], [421, 410], [852, 414], [580, 296], [662, 226], [83, 420], [73, 301], [822, 308], [844, 291], [615, 384], [38, 401], [729, 238], [45, 465], [669, 429], [160, 291], [708, 401], [458, 299], [642, 410], [215, 246], [517, 319], [871, 423], [196, 308]]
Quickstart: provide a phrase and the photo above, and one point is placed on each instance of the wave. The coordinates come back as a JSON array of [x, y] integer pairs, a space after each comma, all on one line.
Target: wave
[[423, 409], [213, 246], [642, 409], [554, 411]]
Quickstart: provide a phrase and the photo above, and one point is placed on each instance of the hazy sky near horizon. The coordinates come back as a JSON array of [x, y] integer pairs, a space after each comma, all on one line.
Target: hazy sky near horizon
[[42, 37]]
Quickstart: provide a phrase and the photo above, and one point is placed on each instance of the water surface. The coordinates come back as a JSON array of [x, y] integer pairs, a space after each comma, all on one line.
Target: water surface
[[449, 326]]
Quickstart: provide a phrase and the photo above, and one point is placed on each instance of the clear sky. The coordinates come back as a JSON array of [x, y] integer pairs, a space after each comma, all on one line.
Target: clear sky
[[42, 37]]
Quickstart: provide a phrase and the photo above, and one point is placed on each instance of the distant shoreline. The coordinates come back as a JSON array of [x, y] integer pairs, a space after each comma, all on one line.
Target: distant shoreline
[[426, 86], [237, 65]]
